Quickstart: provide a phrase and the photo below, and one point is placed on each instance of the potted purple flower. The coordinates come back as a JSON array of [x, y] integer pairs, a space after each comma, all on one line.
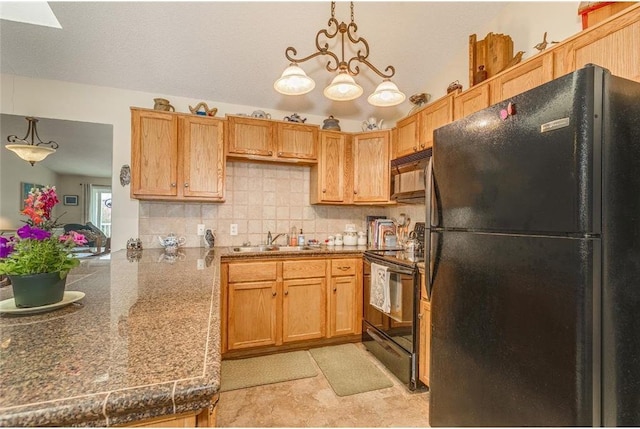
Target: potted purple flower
[[35, 260]]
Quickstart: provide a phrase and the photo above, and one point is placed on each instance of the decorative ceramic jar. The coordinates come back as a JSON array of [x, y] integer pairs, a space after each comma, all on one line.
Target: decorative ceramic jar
[[331, 123], [36, 290]]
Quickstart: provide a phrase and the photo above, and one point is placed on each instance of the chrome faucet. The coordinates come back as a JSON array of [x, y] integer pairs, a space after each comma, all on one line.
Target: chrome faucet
[[270, 239]]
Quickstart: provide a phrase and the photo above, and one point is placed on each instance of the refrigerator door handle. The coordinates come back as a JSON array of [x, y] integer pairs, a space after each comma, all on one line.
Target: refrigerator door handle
[[429, 264], [428, 186]]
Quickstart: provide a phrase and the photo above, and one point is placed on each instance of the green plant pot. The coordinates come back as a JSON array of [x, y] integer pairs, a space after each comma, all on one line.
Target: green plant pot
[[36, 290]]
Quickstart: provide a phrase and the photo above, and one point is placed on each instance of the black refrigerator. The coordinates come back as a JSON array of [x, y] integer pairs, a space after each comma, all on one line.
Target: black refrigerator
[[533, 258]]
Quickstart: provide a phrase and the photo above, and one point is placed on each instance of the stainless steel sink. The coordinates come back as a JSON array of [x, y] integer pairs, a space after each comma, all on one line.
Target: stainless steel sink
[[253, 249], [294, 248]]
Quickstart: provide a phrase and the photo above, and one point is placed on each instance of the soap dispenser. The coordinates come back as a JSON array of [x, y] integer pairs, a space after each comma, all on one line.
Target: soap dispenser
[[301, 238]]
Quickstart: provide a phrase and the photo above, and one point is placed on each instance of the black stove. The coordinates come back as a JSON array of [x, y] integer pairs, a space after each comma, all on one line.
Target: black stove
[[396, 255]]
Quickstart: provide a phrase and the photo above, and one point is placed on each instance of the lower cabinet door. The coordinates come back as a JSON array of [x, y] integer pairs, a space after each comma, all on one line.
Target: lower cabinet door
[[252, 315], [343, 306], [303, 309], [425, 341]]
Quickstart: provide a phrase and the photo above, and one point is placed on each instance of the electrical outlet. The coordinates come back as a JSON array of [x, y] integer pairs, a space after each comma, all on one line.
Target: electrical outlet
[[233, 229], [201, 229], [200, 264]]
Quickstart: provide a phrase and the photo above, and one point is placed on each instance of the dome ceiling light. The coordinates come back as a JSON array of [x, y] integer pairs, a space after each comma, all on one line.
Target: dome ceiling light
[[27, 147], [343, 87]]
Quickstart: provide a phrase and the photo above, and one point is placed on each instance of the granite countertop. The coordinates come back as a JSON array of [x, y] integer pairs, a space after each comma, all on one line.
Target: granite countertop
[[143, 342]]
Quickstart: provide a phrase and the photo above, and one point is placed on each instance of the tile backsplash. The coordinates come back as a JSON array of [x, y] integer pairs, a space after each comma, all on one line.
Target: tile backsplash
[[259, 198]]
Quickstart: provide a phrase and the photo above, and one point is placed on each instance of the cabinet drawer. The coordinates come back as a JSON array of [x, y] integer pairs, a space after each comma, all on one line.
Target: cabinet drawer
[[303, 269], [343, 267], [254, 271]]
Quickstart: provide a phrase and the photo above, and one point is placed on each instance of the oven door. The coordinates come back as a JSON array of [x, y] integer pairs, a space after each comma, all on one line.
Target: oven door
[[398, 324]]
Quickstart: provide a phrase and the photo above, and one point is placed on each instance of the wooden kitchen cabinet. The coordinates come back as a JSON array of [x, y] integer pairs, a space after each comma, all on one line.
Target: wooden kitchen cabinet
[[176, 157], [530, 74], [345, 297], [470, 101], [304, 301], [433, 116], [254, 302], [424, 348], [371, 167], [332, 177], [270, 303], [296, 141], [274, 141], [406, 141], [614, 45]]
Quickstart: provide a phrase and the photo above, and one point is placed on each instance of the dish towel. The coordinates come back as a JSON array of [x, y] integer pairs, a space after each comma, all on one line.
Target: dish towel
[[379, 295]]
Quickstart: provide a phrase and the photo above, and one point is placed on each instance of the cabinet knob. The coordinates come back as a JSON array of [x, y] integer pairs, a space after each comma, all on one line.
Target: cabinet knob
[[422, 145], [173, 184], [186, 185], [274, 293], [286, 292], [335, 289], [355, 192], [343, 268], [279, 153], [420, 316], [270, 152], [324, 190], [415, 148]]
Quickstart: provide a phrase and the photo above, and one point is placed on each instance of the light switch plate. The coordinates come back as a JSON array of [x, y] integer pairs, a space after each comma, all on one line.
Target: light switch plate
[[201, 229], [233, 229]]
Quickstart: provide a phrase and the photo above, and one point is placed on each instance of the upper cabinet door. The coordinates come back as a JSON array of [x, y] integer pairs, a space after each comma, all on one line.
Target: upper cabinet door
[[296, 141], [203, 157], [154, 153], [612, 45], [371, 167], [434, 116], [406, 141], [249, 136], [329, 176], [471, 101], [526, 76]]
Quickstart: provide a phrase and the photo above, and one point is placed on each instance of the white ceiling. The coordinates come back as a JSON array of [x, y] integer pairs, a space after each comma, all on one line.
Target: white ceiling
[[233, 52]]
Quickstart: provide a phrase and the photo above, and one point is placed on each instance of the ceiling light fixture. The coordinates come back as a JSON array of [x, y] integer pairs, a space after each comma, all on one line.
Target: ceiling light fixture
[[28, 149], [294, 81]]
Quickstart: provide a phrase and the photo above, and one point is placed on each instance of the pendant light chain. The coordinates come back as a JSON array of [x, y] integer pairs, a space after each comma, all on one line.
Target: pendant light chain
[[294, 81]]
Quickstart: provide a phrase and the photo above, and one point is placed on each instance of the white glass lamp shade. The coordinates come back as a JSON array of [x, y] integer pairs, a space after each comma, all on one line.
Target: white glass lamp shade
[[343, 88], [294, 81], [386, 94], [30, 152]]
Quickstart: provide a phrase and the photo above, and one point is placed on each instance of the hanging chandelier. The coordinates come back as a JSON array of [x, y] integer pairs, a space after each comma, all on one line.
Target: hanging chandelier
[[27, 147], [343, 87]]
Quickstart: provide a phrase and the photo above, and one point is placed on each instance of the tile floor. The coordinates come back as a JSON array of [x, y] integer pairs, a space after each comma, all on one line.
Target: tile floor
[[310, 402]]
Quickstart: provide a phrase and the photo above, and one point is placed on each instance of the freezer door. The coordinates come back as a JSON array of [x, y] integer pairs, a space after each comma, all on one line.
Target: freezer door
[[514, 331], [536, 171]]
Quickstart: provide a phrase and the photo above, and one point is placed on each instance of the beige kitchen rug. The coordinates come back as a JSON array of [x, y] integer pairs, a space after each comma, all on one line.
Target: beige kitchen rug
[[349, 370], [257, 371]]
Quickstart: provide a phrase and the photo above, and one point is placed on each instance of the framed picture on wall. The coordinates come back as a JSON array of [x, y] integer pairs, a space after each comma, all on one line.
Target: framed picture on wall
[[70, 200], [25, 188]]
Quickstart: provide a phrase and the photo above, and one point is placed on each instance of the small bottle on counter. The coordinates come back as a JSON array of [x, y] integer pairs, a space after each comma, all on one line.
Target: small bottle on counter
[[293, 237], [301, 238]]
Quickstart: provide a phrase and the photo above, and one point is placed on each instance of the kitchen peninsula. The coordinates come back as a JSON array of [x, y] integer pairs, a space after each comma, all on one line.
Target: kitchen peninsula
[[142, 345]]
